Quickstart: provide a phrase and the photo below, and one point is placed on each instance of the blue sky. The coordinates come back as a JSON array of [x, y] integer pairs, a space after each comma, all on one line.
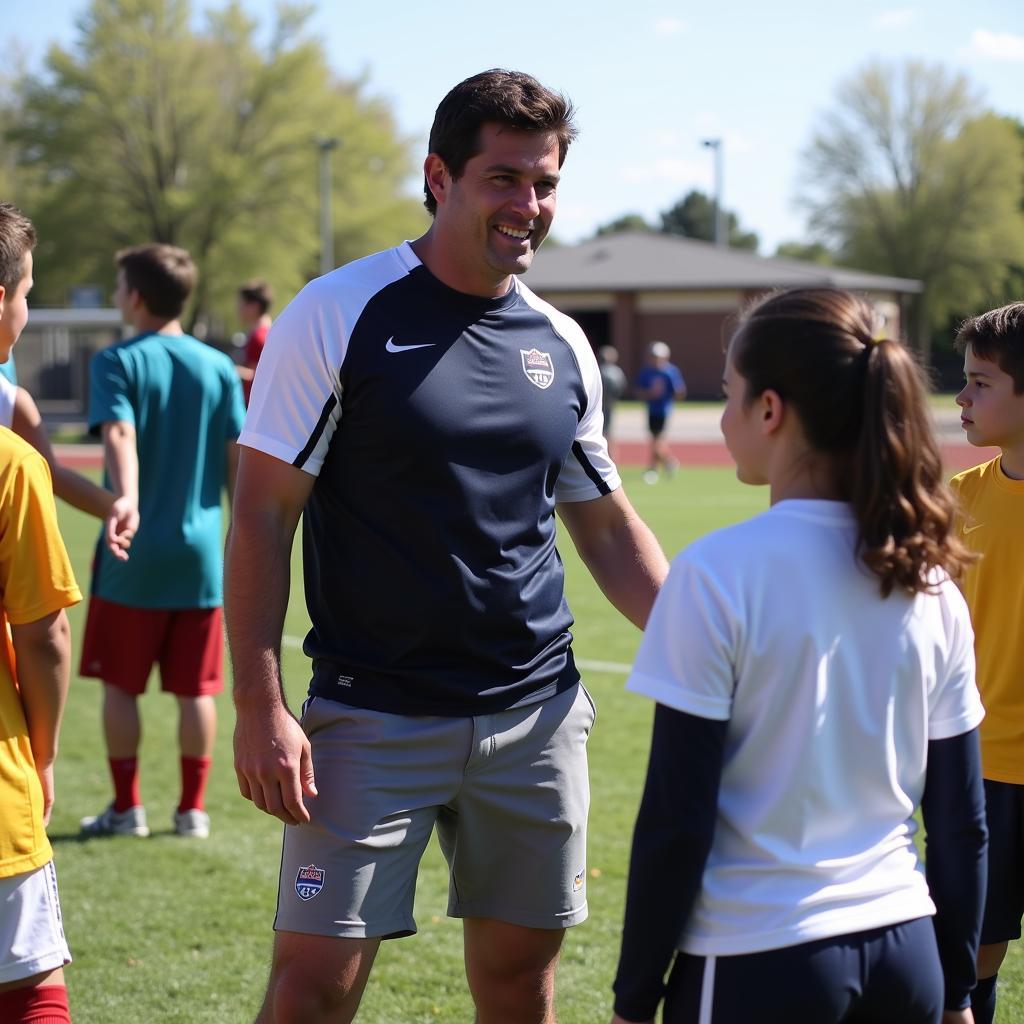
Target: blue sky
[[650, 80]]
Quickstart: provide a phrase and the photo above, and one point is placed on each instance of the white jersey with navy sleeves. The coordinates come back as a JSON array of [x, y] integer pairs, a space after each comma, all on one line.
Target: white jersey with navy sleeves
[[442, 429], [832, 695]]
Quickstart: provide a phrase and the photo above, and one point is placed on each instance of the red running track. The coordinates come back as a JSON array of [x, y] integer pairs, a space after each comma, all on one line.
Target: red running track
[[955, 457]]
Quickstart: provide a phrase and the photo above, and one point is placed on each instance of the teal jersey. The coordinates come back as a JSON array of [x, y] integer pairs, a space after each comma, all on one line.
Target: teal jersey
[[185, 401], [9, 370]]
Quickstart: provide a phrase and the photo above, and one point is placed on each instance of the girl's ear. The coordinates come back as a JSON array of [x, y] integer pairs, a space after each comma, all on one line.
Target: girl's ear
[[3, 295], [772, 411]]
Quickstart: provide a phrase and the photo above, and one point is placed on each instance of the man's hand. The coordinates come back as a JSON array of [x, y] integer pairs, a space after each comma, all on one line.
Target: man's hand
[[45, 773], [273, 763], [122, 525]]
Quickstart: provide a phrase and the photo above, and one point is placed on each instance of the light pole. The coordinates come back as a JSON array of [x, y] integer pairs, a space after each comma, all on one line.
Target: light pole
[[326, 225], [721, 236]]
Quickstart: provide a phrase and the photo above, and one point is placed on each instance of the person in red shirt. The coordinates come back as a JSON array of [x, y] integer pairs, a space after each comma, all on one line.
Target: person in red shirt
[[254, 301]]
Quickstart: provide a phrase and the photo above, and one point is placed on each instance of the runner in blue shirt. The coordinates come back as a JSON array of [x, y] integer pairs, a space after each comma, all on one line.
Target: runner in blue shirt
[[659, 383]]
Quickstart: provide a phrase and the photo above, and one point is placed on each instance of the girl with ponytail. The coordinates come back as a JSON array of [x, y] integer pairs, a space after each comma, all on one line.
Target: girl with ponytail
[[813, 670]]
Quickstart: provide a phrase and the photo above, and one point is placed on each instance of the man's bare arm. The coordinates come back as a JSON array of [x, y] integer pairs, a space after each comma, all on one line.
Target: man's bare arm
[[620, 551], [272, 756]]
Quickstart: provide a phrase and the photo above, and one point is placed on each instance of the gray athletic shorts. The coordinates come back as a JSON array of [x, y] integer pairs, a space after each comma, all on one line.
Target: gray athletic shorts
[[509, 793]]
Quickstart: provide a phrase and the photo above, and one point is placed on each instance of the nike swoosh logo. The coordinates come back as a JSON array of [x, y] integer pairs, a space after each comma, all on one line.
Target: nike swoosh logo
[[971, 529], [392, 347]]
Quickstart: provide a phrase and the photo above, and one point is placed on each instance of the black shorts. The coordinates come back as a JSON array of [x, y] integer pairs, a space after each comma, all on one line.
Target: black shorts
[[656, 423], [883, 976], [1004, 902]]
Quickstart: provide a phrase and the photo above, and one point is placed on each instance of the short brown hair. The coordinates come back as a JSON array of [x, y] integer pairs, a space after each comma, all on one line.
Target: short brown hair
[[998, 336], [509, 98], [164, 275], [17, 237], [258, 292]]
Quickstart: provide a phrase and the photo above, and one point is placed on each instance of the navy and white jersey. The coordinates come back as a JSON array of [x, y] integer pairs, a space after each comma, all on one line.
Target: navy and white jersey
[[442, 429]]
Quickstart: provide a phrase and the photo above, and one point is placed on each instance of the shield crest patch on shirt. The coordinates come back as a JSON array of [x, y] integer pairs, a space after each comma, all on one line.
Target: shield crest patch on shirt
[[538, 367]]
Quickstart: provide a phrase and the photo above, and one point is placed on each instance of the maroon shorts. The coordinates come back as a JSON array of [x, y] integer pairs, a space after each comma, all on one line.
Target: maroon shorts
[[122, 643]]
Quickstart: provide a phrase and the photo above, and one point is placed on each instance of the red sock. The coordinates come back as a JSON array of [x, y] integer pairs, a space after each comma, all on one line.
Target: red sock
[[194, 772], [125, 773], [42, 1004]]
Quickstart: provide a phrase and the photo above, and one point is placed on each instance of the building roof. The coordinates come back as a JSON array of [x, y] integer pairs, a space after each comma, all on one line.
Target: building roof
[[44, 316], [647, 261]]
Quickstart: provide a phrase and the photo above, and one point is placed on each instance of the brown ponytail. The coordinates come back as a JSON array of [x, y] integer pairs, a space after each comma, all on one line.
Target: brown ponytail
[[863, 402]]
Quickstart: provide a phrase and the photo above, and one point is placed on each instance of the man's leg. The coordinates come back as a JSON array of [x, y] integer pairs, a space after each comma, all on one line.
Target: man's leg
[[511, 971], [316, 979]]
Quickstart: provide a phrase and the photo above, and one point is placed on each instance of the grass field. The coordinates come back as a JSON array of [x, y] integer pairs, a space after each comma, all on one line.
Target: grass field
[[168, 930]]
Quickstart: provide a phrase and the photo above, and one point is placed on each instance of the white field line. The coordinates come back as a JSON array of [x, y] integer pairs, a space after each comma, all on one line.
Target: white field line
[[584, 663]]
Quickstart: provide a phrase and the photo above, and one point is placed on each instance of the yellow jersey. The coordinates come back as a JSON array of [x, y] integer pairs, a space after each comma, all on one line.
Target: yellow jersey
[[992, 524], [35, 581]]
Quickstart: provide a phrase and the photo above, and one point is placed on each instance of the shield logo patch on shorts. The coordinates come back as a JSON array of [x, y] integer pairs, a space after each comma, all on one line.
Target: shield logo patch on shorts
[[309, 881], [538, 367]]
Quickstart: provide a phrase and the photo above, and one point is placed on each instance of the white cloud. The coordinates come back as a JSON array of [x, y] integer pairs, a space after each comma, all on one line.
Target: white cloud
[[669, 26], [674, 170], [987, 45], [894, 19]]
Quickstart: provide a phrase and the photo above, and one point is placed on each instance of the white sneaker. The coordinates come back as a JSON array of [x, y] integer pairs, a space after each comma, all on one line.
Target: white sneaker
[[192, 824], [651, 476], [111, 823]]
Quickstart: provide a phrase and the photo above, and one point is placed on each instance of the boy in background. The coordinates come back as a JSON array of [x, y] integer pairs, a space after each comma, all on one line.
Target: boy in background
[[36, 584], [992, 499], [169, 409], [254, 301]]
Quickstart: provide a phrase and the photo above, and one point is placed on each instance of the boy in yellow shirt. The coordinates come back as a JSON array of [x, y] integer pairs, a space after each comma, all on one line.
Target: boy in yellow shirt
[[992, 500], [36, 585]]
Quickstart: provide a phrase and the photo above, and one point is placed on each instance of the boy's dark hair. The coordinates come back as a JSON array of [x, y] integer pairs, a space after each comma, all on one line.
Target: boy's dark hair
[[509, 98], [257, 292], [17, 237], [997, 336], [163, 275]]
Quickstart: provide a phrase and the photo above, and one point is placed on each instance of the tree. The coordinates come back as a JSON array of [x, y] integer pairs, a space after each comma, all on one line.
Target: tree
[[693, 216], [627, 222], [908, 175], [151, 130], [806, 252]]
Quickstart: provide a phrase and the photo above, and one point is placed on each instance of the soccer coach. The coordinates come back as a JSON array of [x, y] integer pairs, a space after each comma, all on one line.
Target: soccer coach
[[428, 413]]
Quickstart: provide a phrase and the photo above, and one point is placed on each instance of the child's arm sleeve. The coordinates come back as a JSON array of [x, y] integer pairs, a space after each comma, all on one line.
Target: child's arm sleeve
[[671, 842], [953, 809]]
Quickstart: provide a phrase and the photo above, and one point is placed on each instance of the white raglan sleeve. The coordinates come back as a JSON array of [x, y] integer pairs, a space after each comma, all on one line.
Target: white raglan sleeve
[[687, 655], [295, 405], [954, 706]]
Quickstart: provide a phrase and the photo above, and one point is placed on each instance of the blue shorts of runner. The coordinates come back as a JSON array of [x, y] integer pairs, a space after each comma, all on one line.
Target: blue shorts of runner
[[656, 423], [508, 793], [884, 976], [1004, 902]]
